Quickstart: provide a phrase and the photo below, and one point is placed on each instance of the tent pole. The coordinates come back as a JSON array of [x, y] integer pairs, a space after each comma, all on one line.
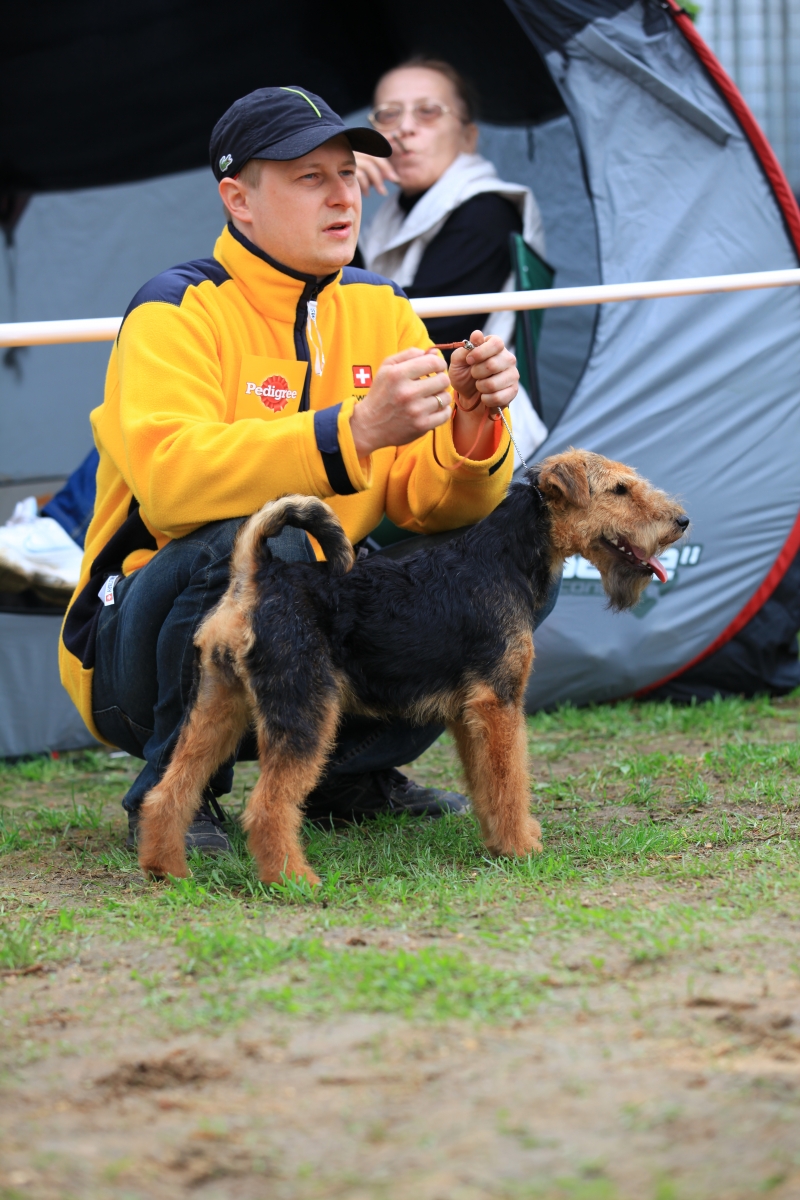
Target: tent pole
[[105, 329]]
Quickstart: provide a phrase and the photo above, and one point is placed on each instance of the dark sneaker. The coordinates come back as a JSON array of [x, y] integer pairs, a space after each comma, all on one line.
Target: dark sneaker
[[206, 832], [351, 799]]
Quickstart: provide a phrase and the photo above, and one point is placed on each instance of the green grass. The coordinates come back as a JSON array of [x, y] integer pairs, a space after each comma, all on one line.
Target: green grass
[[671, 870], [679, 800], [312, 978], [26, 941], [394, 866]]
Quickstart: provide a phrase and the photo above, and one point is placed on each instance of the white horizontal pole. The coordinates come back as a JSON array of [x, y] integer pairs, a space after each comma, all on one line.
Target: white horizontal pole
[[105, 329], [53, 333], [606, 293]]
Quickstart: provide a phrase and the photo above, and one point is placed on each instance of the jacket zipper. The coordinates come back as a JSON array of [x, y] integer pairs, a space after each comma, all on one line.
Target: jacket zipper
[[310, 292]]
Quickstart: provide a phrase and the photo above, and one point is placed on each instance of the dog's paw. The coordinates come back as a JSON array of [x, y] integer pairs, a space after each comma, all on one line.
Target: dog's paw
[[165, 876], [158, 861], [525, 841], [161, 870], [533, 838], [281, 877]]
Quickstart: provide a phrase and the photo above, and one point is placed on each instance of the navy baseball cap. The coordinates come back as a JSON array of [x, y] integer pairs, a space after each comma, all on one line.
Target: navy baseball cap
[[281, 123]]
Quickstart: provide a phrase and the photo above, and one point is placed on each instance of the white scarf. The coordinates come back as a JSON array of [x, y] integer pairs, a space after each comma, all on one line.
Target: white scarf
[[395, 242]]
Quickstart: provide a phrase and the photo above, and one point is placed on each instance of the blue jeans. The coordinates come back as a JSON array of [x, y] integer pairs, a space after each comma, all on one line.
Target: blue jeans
[[144, 662]]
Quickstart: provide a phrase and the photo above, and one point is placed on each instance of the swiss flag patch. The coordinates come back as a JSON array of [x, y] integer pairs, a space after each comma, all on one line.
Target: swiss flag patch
[[362, 377]]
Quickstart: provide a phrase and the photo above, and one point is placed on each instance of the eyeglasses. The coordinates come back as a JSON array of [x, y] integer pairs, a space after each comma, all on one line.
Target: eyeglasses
[[424, 112]]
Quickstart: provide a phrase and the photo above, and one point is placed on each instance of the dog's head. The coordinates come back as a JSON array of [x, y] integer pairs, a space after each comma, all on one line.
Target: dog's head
[[606, 512]]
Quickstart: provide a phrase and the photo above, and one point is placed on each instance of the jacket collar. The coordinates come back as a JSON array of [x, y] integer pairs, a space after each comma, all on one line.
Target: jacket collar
[[267, 283]]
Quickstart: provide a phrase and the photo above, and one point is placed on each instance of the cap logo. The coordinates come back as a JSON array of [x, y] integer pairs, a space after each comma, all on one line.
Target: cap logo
[[225, 162], [297, 92]]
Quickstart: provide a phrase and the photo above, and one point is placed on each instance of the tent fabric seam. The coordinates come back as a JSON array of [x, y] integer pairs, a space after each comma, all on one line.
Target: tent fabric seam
[[594, 41]]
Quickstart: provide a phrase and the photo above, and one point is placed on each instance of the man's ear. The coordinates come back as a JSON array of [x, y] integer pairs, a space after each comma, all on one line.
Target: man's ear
[[564, 478], [234, 196]]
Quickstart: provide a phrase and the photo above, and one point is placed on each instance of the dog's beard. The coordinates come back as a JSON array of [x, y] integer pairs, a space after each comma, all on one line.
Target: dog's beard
[[623, 586]]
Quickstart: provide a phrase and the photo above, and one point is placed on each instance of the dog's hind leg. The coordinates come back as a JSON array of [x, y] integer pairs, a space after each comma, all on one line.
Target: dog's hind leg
[[490, 736], [274, 812], [213, 728]]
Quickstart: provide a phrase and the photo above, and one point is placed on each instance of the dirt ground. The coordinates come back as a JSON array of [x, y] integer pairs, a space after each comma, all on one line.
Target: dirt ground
[[638, 1035]]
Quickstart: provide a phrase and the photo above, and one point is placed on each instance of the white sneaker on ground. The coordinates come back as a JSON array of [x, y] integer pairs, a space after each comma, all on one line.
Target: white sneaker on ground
[[36, 552]]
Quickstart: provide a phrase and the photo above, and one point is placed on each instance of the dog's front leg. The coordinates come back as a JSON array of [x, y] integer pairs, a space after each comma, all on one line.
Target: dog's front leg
[[491, 741]]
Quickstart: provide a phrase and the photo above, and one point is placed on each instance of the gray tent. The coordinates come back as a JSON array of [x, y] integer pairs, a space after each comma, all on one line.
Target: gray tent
[[646, 165], [701, 394]]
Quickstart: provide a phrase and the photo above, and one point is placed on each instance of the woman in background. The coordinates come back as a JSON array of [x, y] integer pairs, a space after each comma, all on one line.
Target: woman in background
[[445, 232]]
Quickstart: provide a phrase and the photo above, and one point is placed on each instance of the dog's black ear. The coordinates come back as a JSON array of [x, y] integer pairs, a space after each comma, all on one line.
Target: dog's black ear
[[564, 477]]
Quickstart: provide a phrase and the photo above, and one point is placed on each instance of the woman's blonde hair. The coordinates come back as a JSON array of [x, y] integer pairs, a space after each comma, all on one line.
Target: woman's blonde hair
[[463, 88]]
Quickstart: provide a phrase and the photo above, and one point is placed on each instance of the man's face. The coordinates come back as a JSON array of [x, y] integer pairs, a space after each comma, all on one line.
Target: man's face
[[306, 212]]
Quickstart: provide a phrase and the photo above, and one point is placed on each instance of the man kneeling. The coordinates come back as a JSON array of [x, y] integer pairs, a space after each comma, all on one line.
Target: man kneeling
[[236, 379]]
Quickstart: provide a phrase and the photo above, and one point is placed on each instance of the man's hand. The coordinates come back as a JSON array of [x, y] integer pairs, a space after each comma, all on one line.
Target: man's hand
[[401, 405], [488, 372], [373, 172]]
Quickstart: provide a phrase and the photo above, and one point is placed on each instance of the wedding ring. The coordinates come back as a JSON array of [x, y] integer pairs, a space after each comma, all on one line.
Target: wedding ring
[[440, 402]]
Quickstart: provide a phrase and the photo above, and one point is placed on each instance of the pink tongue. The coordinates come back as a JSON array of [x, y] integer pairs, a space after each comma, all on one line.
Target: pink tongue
[[652, 561], [658, 569]]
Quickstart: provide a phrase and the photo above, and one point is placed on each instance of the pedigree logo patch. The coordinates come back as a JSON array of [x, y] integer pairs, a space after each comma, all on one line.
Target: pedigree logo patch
[[274, 392], [269, 388]]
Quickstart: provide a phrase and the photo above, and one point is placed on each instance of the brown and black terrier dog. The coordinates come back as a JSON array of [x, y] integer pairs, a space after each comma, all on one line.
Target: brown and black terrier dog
[[442, 635]]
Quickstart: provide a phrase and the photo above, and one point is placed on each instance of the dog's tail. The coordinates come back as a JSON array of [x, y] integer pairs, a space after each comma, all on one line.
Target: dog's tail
[[301, 512]]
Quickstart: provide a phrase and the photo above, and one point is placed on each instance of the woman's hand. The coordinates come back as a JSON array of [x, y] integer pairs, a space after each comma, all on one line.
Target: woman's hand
[[373, 172], [487, 373]]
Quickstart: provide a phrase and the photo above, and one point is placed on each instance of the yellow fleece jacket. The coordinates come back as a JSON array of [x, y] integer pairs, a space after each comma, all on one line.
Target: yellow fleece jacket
[[231, 383]]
